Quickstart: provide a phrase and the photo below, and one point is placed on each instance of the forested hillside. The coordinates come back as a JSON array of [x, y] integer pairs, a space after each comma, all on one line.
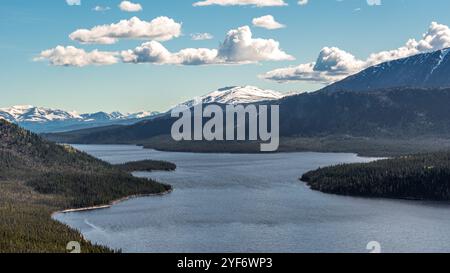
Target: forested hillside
[[387, 113], [147, 166], [38, 178], [424, 177]]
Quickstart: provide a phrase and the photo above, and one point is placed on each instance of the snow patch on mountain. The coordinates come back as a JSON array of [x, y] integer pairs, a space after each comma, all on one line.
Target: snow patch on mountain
[[442, 57], [236, 95], [29, 113]]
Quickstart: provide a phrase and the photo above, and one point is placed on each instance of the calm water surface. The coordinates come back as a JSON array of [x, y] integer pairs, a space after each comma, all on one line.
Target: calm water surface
[[255, 203]]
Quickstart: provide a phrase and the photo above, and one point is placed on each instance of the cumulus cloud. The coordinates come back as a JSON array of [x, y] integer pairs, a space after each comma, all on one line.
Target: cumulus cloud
[[257, 3], [334, 64], [302, 2], [72, 56], [337, 61], [159, 29], [239, 47], [129, 6], [267, 22], [73, 2], [437, 37], [154, 52], [201, 36]]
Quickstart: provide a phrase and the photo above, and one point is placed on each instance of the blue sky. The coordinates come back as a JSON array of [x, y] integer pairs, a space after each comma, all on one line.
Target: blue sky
[[351, 29]]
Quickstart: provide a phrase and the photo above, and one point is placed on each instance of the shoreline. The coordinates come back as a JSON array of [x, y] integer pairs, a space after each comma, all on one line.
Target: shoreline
[[252, 153], [112, 203]]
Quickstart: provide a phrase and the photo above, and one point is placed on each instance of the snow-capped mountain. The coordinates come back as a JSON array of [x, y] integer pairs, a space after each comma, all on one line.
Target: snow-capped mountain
[[28, 113], [102, 116], [427, 70], [46, 120], [162, 124], [40, 119], [141, 115], [236, 95]]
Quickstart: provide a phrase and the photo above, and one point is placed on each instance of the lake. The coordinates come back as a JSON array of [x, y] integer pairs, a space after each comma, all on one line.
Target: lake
[[255, 203]]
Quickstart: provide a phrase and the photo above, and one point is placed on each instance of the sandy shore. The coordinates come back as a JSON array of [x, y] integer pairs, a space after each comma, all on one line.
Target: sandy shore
[[115, 202]]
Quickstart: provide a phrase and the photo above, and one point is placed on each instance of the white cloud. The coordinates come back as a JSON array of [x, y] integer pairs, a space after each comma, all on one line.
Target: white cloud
[[337, 61], [374, 2], [159, 29], [369, 2], [258, 3], [437, 37], [73, 2], [130, 7], [334, 64], [72, 56], [100, 8], [267, 22], [156, 53], [201, 36], [239, 47], [303, 72]]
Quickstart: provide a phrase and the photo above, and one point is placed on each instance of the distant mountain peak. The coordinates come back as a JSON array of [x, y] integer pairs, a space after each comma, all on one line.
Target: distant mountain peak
[[236, 95]]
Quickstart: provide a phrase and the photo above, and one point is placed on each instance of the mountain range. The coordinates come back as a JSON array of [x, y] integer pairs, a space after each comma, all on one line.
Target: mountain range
[[398, 99], [46, 120], [41, 119]]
